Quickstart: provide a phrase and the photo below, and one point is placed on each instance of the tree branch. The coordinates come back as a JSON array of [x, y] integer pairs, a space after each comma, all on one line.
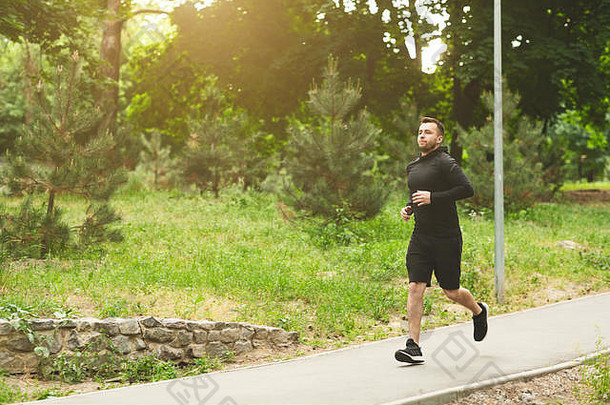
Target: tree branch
[[149, 11]]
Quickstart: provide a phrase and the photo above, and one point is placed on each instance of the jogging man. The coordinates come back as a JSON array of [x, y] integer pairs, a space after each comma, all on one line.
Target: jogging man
[[436, 182]]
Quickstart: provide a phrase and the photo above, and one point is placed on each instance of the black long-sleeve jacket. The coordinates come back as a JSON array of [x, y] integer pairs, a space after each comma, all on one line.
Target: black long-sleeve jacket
[[440, 174]]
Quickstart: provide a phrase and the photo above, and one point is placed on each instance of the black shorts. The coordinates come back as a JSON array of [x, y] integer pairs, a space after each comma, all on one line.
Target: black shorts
[[441, 255]]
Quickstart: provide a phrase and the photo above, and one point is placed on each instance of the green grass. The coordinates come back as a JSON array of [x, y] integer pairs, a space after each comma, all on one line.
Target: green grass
[[583, 185], [238, 259]]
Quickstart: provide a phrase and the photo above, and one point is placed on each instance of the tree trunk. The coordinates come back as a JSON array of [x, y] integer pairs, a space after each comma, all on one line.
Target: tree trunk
[[31, 73], [110, 53], [414, 18], [49, 221]]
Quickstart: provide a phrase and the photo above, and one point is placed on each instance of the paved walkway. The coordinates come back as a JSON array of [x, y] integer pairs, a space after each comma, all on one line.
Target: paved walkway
[[518, 344]]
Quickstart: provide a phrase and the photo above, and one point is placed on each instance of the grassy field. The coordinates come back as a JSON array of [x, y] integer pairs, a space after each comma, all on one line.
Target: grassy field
[[245, 257], [583, 185]]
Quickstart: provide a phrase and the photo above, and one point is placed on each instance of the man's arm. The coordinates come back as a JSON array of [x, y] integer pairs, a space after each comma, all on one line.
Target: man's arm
[[460, 186]]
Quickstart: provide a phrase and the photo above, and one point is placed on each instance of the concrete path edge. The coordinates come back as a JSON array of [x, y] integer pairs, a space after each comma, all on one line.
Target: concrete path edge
[[452, 394]]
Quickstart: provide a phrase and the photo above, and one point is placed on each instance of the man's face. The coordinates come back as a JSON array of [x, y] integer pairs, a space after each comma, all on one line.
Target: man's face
[[428, 137]]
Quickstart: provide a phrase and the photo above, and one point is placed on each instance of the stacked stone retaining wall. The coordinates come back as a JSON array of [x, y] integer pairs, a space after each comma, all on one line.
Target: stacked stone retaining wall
[[169, 339]]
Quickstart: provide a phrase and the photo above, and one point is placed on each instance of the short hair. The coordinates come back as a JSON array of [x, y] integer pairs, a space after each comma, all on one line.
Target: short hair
[[439, 125]]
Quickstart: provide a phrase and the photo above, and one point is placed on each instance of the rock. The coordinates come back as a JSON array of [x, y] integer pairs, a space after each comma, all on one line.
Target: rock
[[213, 336], [94, 342], [183, 338], [200, 336], [5, 327], [200, 325], [5, 361], [261, 332], [150, 322], [568, 244], [74, 342], [139, 344], [242, 347], [107, 326], [65, 323], [173, 323], [169, 353], [159, 335], [20, 344], [42, 324], [129, 327], [216, 349], [230, 335], [53, 343], [197, 351], [247, 332], [84, 324], [279, 337], [122, 344]]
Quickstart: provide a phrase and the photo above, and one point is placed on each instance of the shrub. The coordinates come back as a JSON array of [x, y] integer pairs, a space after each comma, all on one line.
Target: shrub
[[523, 170], [332, 164]]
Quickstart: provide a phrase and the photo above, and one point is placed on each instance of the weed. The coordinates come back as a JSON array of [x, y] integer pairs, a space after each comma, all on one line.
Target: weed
[[206, 364], [98, 359], [596, 376], [9, 395], [115, 308], [596, 259], [148, 368], [19, 318]]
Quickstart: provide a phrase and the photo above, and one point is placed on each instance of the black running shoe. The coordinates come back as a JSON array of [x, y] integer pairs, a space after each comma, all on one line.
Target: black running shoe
[[480, 322], [410, 354]]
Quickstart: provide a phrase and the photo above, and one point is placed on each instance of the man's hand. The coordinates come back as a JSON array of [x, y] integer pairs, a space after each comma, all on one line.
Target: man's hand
[[421, 197], [406, 212]]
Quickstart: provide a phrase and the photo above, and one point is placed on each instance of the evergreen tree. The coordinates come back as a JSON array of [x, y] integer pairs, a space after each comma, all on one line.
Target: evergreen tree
[[524, 175], [62, 152], [224, 148], [332, 161], [156, 159], [208, 158]]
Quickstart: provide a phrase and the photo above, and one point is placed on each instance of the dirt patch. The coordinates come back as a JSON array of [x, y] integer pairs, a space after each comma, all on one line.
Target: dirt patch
[[564, 387], [587, 196]]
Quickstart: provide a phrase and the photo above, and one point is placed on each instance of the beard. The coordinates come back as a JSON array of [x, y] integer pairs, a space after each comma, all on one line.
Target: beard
[[427, 147]]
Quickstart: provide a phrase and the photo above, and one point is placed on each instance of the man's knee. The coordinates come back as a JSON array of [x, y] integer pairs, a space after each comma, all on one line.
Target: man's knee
[[452, 294], [417, 289]]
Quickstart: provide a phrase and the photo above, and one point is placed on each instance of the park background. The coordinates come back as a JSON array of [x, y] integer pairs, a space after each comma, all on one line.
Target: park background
[[245, 160]]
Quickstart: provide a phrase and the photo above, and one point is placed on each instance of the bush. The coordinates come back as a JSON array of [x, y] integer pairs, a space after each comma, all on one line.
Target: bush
[[332, 164], [523, 170]]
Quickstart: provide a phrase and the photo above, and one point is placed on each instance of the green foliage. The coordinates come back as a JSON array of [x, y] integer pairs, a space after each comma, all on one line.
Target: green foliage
[[19, 318], [23, 234], [332, 163], [21, 19], [524, 174], [90, 364], [67, 368], [238, 258], [221, 152], [148, 368], [114, 308], [9, 394], [12, 102], [61, 152], [206, 364], [596, 376], [156, 159], [580, 149]]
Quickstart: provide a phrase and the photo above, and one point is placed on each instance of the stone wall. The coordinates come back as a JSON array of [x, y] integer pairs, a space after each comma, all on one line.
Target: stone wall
[[170, 339]]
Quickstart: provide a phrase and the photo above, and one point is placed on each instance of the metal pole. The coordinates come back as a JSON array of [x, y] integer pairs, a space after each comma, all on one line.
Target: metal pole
[[498, 158]]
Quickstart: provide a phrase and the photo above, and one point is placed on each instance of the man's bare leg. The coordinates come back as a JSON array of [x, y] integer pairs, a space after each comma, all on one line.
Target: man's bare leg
[[415, 309], [463, 297]]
